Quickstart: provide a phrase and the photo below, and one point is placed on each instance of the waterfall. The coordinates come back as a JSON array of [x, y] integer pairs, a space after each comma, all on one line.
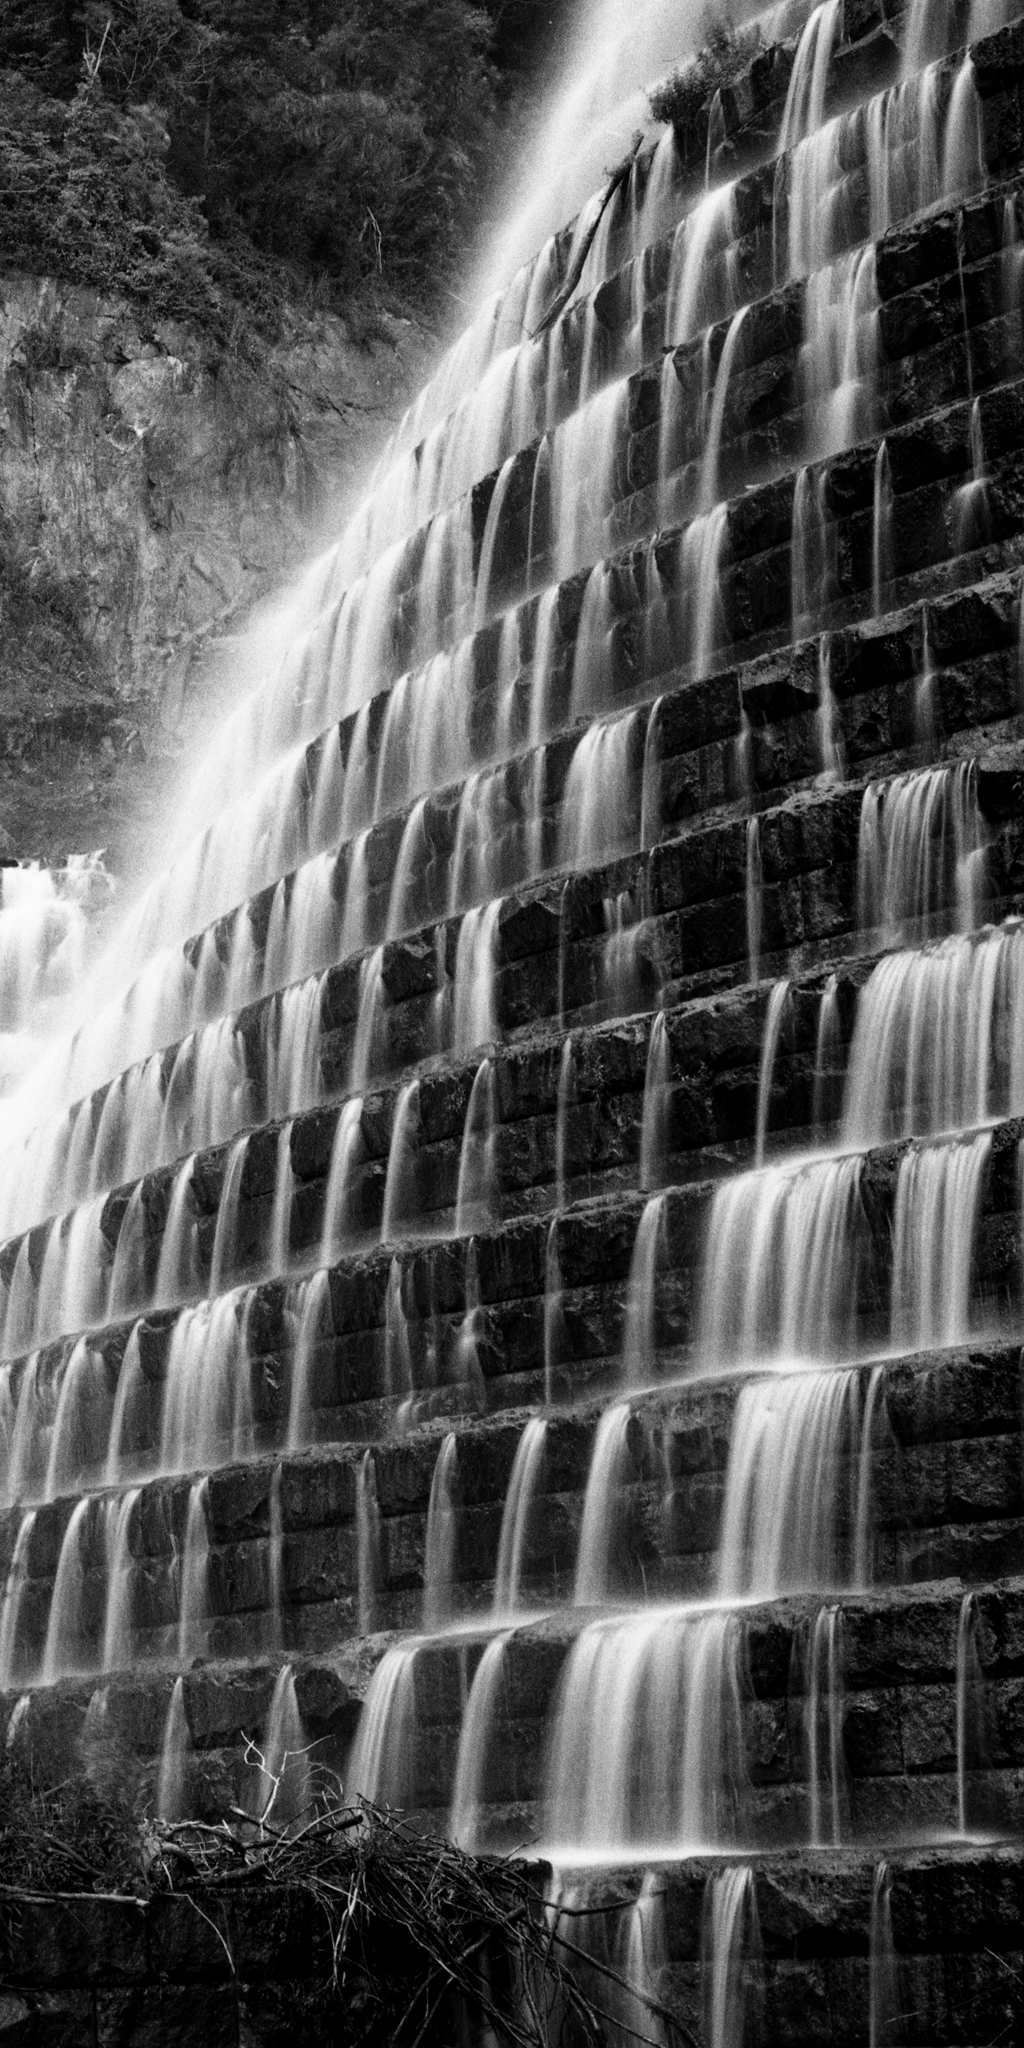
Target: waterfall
[[275, 1565], [311, 1314], [921, 850], [441, 1534], [224, 1256], [520, 1504], [610, 1462], [824, 1710], [400, 1187], [775, 1017], [473, 998], [969, 1691], [476, 1192], [474, 1742], [793, 1233], [65, 1648], [382, 1759], [639, 1336], [730, 1955], [646, 1746], [564, 1100], [600, 798], [755, 899], [826, 1052], [709, 492], [116, 1649], [368, 1542], [175, 1747], [193, 1567], [281, 1789], [347, 1152], [883, 1982], [882, 533], [935, 1044], [664, 683], [14, 1593], [552, 1310], [654, 1122], [938, 1203], [796, 1510]]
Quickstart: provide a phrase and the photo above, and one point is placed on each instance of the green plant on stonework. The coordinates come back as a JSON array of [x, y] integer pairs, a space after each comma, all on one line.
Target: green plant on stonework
[[680, 99]]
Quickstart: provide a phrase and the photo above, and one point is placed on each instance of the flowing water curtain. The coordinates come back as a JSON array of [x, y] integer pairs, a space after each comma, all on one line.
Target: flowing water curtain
[[598, 1555], [921, 852], [647, 1741], [475, 1760], [795, 1233], [519, 1514], [369, 1558], [281, 1786], [797, 1507], [939, 1196], [172, 1800], [938, 1039], [382, 1762], [658, 1696], [731, 1959], [828, 1785]]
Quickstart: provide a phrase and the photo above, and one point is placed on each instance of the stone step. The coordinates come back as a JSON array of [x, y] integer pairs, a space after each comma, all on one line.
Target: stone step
[[550, 945], [550, 942], [696, 888], [638, 515], [924, 1482], [954, 1916], [909, 323], [896, 1707], [927, 255], [605, 320], [898, 1718], [756, 605], [473, 1318], [99, 1966], [606, 302]]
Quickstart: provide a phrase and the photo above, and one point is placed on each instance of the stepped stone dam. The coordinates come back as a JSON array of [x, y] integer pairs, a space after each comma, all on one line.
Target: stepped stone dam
[[511, 1280]]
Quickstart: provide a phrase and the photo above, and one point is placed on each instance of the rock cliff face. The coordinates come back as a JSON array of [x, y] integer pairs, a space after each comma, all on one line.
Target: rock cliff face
[[150, 489]]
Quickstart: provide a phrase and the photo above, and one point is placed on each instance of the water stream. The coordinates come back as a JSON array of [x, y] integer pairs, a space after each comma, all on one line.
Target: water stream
[[524, 744]]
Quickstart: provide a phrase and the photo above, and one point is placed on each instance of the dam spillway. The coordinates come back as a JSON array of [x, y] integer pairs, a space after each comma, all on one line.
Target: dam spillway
[[514, 1278]]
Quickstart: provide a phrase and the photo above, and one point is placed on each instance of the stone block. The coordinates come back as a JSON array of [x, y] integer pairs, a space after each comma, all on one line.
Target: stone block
[[47, 2019], [175, 2016], [79, 1943]]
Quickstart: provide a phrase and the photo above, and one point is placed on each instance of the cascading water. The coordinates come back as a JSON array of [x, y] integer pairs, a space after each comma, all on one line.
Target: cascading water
[[530, 746]]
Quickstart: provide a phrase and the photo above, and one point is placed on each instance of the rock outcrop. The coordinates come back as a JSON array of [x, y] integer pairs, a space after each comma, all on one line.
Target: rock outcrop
[[152, 487]]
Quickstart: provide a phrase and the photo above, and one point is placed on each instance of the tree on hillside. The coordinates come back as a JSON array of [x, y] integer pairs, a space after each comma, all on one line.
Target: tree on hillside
[[274, 146]]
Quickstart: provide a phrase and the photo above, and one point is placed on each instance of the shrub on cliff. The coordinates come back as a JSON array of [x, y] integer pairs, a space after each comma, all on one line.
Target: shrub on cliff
[[680, 99], [84, 196]]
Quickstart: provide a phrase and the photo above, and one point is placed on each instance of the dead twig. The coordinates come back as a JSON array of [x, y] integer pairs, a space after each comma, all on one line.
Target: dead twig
[[616, 178]]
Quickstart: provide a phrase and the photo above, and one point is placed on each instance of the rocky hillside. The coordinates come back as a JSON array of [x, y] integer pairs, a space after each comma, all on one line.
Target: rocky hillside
[[225, 241], [152, 485]]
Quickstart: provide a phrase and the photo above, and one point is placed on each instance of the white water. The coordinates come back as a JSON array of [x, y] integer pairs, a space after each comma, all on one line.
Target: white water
[[646, 1739]]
